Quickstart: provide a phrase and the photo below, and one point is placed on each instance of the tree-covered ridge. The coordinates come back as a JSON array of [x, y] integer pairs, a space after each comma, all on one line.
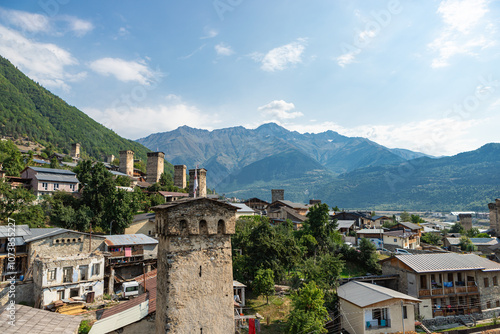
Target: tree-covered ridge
[[29, 110]]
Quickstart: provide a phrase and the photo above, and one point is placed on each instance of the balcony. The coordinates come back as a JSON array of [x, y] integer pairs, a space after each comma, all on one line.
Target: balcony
[[377, 324], [137, 252]]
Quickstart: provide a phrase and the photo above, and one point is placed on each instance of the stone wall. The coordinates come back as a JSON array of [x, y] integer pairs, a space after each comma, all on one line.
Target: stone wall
[[127, 162], [180, 176], [23, 291], [277, 195], [154, 167], [195, 280], [490, 295], [202, 182]]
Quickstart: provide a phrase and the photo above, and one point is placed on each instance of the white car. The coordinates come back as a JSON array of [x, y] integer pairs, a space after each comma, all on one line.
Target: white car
[[401, 251]]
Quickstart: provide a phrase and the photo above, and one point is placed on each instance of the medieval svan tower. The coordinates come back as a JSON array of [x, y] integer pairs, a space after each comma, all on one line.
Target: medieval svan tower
[[195, 276]]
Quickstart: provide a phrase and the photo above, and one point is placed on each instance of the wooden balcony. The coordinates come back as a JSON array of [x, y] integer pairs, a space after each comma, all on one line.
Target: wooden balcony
[[122, 253], [425, 292], [448, 291]]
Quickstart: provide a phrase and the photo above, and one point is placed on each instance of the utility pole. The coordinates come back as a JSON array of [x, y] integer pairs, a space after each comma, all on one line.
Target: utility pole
[[403, 316]]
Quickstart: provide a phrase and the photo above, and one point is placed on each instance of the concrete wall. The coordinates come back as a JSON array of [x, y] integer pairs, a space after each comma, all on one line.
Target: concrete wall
[[146, 227], [154, 166], [195, 280]]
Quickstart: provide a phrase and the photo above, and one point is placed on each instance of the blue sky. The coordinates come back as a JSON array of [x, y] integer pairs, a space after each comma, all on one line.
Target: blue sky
[[410, 74]]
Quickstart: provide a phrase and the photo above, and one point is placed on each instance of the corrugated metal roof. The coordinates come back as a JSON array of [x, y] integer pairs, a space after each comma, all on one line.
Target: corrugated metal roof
[[129, 239], [411, 226], [484, 241], [434, 262], [173, 194], [237, 284], [243, 207], [52, 170], [293, 205], [40, 233], [56, 177], [19, 230], [370, 231], [345, 223], [399, 233], [364, 294]]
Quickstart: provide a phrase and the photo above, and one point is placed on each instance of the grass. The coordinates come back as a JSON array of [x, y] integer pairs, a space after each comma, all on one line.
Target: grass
[[352, 270], [465, 327], [277, 311]]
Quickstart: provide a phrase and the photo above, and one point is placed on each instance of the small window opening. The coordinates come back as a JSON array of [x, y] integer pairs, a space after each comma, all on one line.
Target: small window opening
[[200, 271]]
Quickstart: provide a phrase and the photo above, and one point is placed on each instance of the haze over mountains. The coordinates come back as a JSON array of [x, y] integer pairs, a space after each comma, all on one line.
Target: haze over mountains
[[348, 172]]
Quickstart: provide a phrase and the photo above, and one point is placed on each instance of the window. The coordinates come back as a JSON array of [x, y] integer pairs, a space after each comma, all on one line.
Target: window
[[96, 269], [488, 304], [51, 274], [60, 294], [495, 281], [395, 240], [486, 282], [381, 316], [72, 187], [405, 313], [84, 270], [498, 303], [56, 186], [67, 274], [45, 186], [74, 292], [221, 227], [131, 288]]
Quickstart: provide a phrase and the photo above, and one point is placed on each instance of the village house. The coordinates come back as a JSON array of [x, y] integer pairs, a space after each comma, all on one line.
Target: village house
[[447, 283], [362, 219], [408, 227], [171, 196], [257, 204], [243, 210], [345, 226], [376, 236], [274, 210], [143, 223], [16, 268], [401, 239], [370, 308], [45, 181]]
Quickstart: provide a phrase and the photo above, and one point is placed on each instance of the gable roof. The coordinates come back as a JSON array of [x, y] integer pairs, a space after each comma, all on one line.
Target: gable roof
[[484, 241], [293, 215], [52, 170], [434, 262], [399, 233], [40, 233], [290, 204], [364, 294], [345, 223], [185, 201], [19, 231], [242, 207], [370, 231], [409, 225], [129, 239]]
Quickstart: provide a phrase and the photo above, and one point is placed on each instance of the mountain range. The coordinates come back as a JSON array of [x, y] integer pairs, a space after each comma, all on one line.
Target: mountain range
[[350, 172]]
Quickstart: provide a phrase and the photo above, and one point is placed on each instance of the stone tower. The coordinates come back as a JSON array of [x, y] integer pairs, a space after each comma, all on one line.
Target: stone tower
[[202, 182], [180, 176], [195, 277], [154, 166], [75, 150], [127, 162], [465, 220], [494, 216], [277, 195]]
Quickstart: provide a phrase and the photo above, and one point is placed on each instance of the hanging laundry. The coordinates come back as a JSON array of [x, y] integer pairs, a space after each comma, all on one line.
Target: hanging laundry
[[257, 325], [251, 326]]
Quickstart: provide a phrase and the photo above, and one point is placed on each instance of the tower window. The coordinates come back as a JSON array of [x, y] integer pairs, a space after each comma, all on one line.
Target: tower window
[[221, 227], [203, 227], [200, 271]]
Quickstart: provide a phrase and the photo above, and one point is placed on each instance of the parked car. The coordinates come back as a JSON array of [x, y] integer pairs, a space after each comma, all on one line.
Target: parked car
[[130, 289], [401, 251]]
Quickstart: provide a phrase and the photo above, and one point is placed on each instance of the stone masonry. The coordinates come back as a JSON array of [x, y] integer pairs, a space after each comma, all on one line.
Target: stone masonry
[[127, 162], [277, 195], [495, 215], [75, 150], [154, 166], [202, 182], [195, 280], [465, 220], [180, 176]]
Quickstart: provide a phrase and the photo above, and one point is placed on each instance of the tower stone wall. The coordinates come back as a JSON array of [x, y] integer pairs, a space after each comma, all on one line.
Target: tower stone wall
[[195, 279], [180, 176], [127, 162], [202, 182], [154, 166], [494, 209], [465, 220], [277, 195], [75, 150]]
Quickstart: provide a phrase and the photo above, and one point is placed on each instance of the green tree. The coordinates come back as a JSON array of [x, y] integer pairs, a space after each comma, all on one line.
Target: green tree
[[263, 283], [123, 181], [15, 200], [368, 256], [325, 270], [466, 244], [472, 233], [54, 163], [415, 219], [11, 158], [319, 222], [431, 238], [457, 228], [405, 216], [309, 313]]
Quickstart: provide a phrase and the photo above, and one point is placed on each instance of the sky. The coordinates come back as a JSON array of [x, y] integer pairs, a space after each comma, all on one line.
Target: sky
[[420, 75]]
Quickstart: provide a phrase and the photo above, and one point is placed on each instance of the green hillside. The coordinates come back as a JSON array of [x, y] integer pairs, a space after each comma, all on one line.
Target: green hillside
[[29, 110]]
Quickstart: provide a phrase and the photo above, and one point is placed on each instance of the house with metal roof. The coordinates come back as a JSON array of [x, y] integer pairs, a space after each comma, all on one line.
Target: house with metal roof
[[447, 283], [370, 308], [344, 226], [143, 223], [44, 181], [402, 239], [375, 235], [243, 210]]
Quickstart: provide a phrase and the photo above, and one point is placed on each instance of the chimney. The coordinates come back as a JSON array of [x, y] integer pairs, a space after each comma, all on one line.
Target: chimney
[[127, 162], [154, 166]]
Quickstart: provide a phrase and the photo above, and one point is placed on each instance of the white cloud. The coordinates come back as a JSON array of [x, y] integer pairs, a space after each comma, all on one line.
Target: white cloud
[[223, 50], [347, 58], [123, 70], [209, 33], [279, 110], [466, 30], [43, 62], [281, 57], [437, 137], [38, 23], [160, 118]]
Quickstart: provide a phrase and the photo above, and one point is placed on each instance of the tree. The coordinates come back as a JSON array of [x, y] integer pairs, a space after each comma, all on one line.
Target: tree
[[319, 223], [405, 216], [472, 233], [431, 238], [457, 228], [15, 200], [466, 244], [309, 313], [324, 270], [368, 255], [415, 219], [11, 158], [263, 283]]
